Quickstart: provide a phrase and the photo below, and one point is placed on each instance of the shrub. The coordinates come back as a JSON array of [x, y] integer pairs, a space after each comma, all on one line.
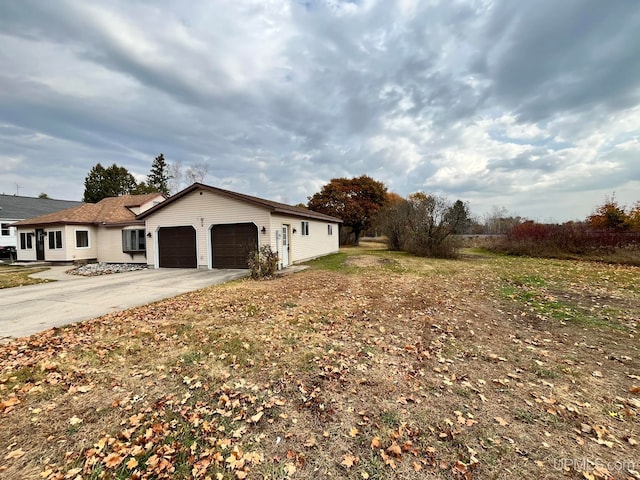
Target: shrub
[[263, 263], [424, 225]]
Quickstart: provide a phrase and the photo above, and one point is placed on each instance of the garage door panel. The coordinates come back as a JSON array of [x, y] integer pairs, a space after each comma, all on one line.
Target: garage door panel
[[231, 244], [177, 247]]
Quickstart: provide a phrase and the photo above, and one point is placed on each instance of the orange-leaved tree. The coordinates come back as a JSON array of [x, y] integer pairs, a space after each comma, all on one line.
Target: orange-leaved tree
[[354, 200], [609, 216]]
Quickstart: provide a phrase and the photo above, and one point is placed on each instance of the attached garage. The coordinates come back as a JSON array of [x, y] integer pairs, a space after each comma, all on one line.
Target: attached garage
[[232, 243], [225, 226], [177, 247]]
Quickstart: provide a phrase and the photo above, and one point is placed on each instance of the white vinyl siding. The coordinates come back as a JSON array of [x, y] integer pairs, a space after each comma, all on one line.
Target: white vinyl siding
[[69, 252], [26, 255], [306, 247], [201, 209], [110, 246]]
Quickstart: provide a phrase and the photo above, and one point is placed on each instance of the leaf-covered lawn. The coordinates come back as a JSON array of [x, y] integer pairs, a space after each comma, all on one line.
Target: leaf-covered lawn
[[368, 365]]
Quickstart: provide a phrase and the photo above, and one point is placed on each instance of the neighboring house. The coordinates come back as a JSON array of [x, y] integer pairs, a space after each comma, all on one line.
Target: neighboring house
[[14, 208], [207, 227], [107, 231]]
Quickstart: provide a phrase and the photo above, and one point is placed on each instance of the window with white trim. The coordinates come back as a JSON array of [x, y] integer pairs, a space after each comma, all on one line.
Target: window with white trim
[[82, 238], [329, 229], [26, 240], [5, 230], [133, 241], [55, 239], [305, 228]]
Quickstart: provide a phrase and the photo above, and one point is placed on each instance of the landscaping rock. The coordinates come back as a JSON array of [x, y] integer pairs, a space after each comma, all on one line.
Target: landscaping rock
[[93, 269]]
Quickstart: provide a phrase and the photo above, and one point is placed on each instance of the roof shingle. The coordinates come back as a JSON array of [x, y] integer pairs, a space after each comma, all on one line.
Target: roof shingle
[[15, 207], [111, 210]]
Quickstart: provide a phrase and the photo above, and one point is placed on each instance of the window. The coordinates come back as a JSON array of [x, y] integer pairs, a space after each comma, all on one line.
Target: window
[[305, 228], [82, 238], [133, 241], [5, 231], [329, 229], [26, 241], [55, 240]]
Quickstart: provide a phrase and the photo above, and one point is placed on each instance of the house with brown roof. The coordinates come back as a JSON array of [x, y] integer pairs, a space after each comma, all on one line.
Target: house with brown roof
[[209, 227], [107, 231], [199, 227]]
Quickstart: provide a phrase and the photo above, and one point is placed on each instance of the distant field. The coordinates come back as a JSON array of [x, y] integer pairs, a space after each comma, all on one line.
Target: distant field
[[368, 365]]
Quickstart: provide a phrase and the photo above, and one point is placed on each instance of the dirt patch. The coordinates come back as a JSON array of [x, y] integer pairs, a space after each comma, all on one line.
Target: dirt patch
[[366, 261]]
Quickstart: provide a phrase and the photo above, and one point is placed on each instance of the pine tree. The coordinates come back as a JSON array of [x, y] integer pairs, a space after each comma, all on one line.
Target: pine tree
[[103, 182], [158, 178]]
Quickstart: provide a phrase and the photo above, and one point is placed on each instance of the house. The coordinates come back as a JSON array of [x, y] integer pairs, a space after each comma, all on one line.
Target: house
[[107, 231], [208, 227], [14, 208]]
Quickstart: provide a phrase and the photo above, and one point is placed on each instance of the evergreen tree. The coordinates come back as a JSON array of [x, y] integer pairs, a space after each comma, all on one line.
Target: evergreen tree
[[103, 182], [158, 178]]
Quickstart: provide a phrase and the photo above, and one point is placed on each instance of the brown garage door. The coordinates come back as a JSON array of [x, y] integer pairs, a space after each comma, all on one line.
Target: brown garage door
[[231, 244], [177, 247]]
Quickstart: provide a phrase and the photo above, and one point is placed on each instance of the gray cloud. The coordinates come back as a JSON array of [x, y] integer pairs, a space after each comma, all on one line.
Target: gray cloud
[[495, 102]]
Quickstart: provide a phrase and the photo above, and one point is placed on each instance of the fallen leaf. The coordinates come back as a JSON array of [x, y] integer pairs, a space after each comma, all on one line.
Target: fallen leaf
[[14, 454], [75, 421], [349, 460], [132, 463], [353, 432], [501, 421], [290, 469], [395, 449], [375, 442], [113, 460], [256, 418], [9, 402]]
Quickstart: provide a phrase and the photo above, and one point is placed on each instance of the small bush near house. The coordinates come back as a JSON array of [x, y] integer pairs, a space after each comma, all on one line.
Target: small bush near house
[[263, 263]]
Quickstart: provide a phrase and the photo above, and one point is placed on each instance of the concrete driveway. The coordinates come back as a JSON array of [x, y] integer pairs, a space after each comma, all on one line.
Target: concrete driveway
[[31, 309]]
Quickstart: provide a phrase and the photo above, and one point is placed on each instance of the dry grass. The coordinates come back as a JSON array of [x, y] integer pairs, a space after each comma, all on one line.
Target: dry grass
[[11, 276], [370, 364]]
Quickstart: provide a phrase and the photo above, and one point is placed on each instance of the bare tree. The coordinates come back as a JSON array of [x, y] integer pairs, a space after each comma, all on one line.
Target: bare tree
[[197, 172], [175, 177]]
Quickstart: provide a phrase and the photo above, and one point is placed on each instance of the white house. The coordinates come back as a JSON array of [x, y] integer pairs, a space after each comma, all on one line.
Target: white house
[[14, 208], [107, 231], [208, 227]]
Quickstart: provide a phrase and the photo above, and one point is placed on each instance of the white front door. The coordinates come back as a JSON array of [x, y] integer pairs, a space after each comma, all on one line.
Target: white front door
[[285, 246]]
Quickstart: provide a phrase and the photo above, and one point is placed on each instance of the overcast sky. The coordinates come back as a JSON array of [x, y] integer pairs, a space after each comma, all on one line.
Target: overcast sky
[[531, 105]]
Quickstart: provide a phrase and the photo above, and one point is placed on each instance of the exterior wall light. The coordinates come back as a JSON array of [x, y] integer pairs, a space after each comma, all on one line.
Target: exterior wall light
[[264, 230], [294, 230]]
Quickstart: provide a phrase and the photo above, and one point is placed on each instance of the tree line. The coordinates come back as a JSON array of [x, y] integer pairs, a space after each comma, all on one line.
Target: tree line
[[164, 177]]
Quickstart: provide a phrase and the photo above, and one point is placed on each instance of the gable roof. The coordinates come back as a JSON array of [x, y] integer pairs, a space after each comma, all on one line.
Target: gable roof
[[274, 207], [15, 207], [108, 211]]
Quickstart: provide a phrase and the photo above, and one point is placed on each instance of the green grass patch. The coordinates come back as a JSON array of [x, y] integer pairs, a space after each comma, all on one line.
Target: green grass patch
[[334, 263]]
